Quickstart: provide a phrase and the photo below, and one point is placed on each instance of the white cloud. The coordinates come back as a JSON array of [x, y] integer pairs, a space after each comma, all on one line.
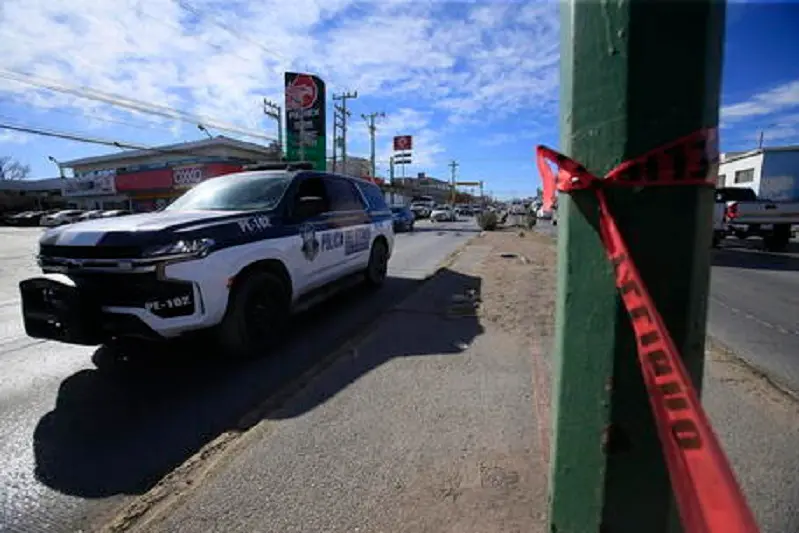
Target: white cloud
[[13, 137], [778, 99], [220, 58]]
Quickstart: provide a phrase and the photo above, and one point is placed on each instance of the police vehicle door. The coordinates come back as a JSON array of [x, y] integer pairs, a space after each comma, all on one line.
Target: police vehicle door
[[313, 256], [351, 235]]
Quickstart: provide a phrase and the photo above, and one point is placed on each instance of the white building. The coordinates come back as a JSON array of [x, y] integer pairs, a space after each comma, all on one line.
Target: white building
[[773, 173], [356, 166]]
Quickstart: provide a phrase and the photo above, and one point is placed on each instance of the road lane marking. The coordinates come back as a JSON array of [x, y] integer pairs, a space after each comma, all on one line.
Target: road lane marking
[[753, 318]]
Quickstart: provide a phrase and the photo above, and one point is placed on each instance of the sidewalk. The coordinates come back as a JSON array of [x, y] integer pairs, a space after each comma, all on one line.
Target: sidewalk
[[431, 423]]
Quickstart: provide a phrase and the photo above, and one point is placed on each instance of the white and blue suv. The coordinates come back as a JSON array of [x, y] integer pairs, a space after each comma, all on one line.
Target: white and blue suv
[[236, 254]]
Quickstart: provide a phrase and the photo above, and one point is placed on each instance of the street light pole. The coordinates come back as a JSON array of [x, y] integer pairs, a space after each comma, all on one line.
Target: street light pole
[[204, 130], [58, 164]]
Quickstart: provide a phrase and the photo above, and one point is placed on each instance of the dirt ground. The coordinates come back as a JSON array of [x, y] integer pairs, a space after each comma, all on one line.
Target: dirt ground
[[518, 297], [518, 277]]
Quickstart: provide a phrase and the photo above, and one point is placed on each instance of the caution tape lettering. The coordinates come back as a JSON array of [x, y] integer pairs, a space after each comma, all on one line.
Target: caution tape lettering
[[707, 493]]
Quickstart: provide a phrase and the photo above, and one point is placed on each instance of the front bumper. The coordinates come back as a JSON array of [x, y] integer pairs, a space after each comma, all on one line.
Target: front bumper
[[93, 309]]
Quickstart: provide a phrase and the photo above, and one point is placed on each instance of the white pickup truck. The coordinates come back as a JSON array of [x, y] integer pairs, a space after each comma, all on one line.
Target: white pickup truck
[[739, 213]]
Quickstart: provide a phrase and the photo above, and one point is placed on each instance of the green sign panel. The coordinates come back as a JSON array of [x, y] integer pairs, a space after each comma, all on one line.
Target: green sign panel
[[305, 119]]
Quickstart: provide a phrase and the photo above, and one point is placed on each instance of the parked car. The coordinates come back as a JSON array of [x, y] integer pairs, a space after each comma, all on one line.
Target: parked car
[[420, 210], [403, 218], [115, 213], [740, 213], [26, 218], [67, 216], [443, 214], [89, 215]]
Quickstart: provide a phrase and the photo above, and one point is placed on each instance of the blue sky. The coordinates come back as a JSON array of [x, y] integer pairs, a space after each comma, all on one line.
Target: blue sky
[[475, 82]]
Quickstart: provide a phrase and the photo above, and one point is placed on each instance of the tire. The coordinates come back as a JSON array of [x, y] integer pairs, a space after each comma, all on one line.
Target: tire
[[778, 240], [257, 312], [377, 269], [121, 357]]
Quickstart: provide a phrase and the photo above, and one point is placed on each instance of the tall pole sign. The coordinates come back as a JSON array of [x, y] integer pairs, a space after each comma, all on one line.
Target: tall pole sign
[[403, 151], [305, 119]]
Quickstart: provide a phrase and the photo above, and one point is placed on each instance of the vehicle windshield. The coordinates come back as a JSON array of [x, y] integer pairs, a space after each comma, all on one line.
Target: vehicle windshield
[[246, 191]]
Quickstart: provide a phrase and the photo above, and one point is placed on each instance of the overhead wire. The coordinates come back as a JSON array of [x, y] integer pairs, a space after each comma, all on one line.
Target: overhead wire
[[128, 103], [79, 137]]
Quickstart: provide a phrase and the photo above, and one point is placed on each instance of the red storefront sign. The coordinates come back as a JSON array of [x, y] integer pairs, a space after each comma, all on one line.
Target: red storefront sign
[[187, 176], [172, 178], [145, 180]]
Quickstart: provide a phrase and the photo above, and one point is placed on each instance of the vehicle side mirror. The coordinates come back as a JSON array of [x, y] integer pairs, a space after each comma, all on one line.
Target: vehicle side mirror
[[308, 207]]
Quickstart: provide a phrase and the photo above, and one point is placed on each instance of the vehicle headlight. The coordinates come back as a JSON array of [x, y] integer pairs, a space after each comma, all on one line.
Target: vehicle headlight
[[181, 248]]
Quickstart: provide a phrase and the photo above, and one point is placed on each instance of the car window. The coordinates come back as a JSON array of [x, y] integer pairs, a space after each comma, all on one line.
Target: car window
[[343, 195], [235, 192], [373, 195]]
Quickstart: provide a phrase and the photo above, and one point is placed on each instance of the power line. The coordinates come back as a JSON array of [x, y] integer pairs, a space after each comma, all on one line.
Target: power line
[[147, 126], [72, 136], [77, 137], [128, 103], [232, 30]]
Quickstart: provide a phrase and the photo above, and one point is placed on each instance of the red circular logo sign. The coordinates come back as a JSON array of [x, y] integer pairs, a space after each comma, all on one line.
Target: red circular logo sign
[[301, 93]]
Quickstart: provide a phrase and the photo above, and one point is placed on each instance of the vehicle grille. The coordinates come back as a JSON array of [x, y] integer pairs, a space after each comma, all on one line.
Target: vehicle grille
[[129, 290], [89, 252]]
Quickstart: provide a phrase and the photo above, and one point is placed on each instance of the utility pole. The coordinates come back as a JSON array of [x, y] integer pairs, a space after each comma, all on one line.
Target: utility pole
[[345, 114], [275, 112], [370, 123], [453, 166], [336, 128], [656, 78]]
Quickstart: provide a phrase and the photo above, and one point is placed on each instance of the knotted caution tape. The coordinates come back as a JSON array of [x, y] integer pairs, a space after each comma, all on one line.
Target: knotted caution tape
[[707, 493]]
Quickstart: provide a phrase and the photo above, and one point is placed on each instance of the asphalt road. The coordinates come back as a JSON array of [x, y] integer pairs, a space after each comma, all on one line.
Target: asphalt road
[[76, 445], [754, 307]]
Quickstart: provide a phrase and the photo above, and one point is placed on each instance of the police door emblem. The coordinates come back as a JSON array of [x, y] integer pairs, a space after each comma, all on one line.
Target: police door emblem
[[310, 244]]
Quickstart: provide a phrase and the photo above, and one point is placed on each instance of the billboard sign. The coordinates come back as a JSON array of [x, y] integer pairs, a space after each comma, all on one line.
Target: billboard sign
[[403, 143], [94, 183], [305, 119]]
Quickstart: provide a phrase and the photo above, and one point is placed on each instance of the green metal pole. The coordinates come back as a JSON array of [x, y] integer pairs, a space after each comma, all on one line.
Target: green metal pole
[[635, 74]]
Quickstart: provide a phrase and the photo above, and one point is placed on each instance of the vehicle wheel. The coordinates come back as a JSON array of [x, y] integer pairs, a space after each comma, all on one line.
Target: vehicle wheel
[[716, 240], [256, 315], [778, 240], [121, 357], [377, 269]]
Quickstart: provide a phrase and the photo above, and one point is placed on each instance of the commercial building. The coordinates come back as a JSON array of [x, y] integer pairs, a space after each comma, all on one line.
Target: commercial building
[[21, 195], [360, 167], [423, 185], [773, 173], [144, 180]]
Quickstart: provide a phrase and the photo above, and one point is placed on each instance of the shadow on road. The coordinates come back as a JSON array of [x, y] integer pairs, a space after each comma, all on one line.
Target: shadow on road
[[108, 436], [754, 259], [441, 229], [438, 320]]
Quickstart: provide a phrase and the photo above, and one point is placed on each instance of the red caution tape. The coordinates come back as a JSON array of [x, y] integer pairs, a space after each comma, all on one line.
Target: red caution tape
[[707, 493]]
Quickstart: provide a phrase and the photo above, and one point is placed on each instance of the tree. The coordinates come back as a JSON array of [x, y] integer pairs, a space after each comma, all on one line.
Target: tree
[[13, 170]]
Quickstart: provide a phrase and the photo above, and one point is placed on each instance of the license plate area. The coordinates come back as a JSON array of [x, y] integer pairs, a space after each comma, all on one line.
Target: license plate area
[[60, 311]]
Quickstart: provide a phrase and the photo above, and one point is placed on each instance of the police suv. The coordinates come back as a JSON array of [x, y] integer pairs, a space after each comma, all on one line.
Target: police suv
[[236, 254]]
